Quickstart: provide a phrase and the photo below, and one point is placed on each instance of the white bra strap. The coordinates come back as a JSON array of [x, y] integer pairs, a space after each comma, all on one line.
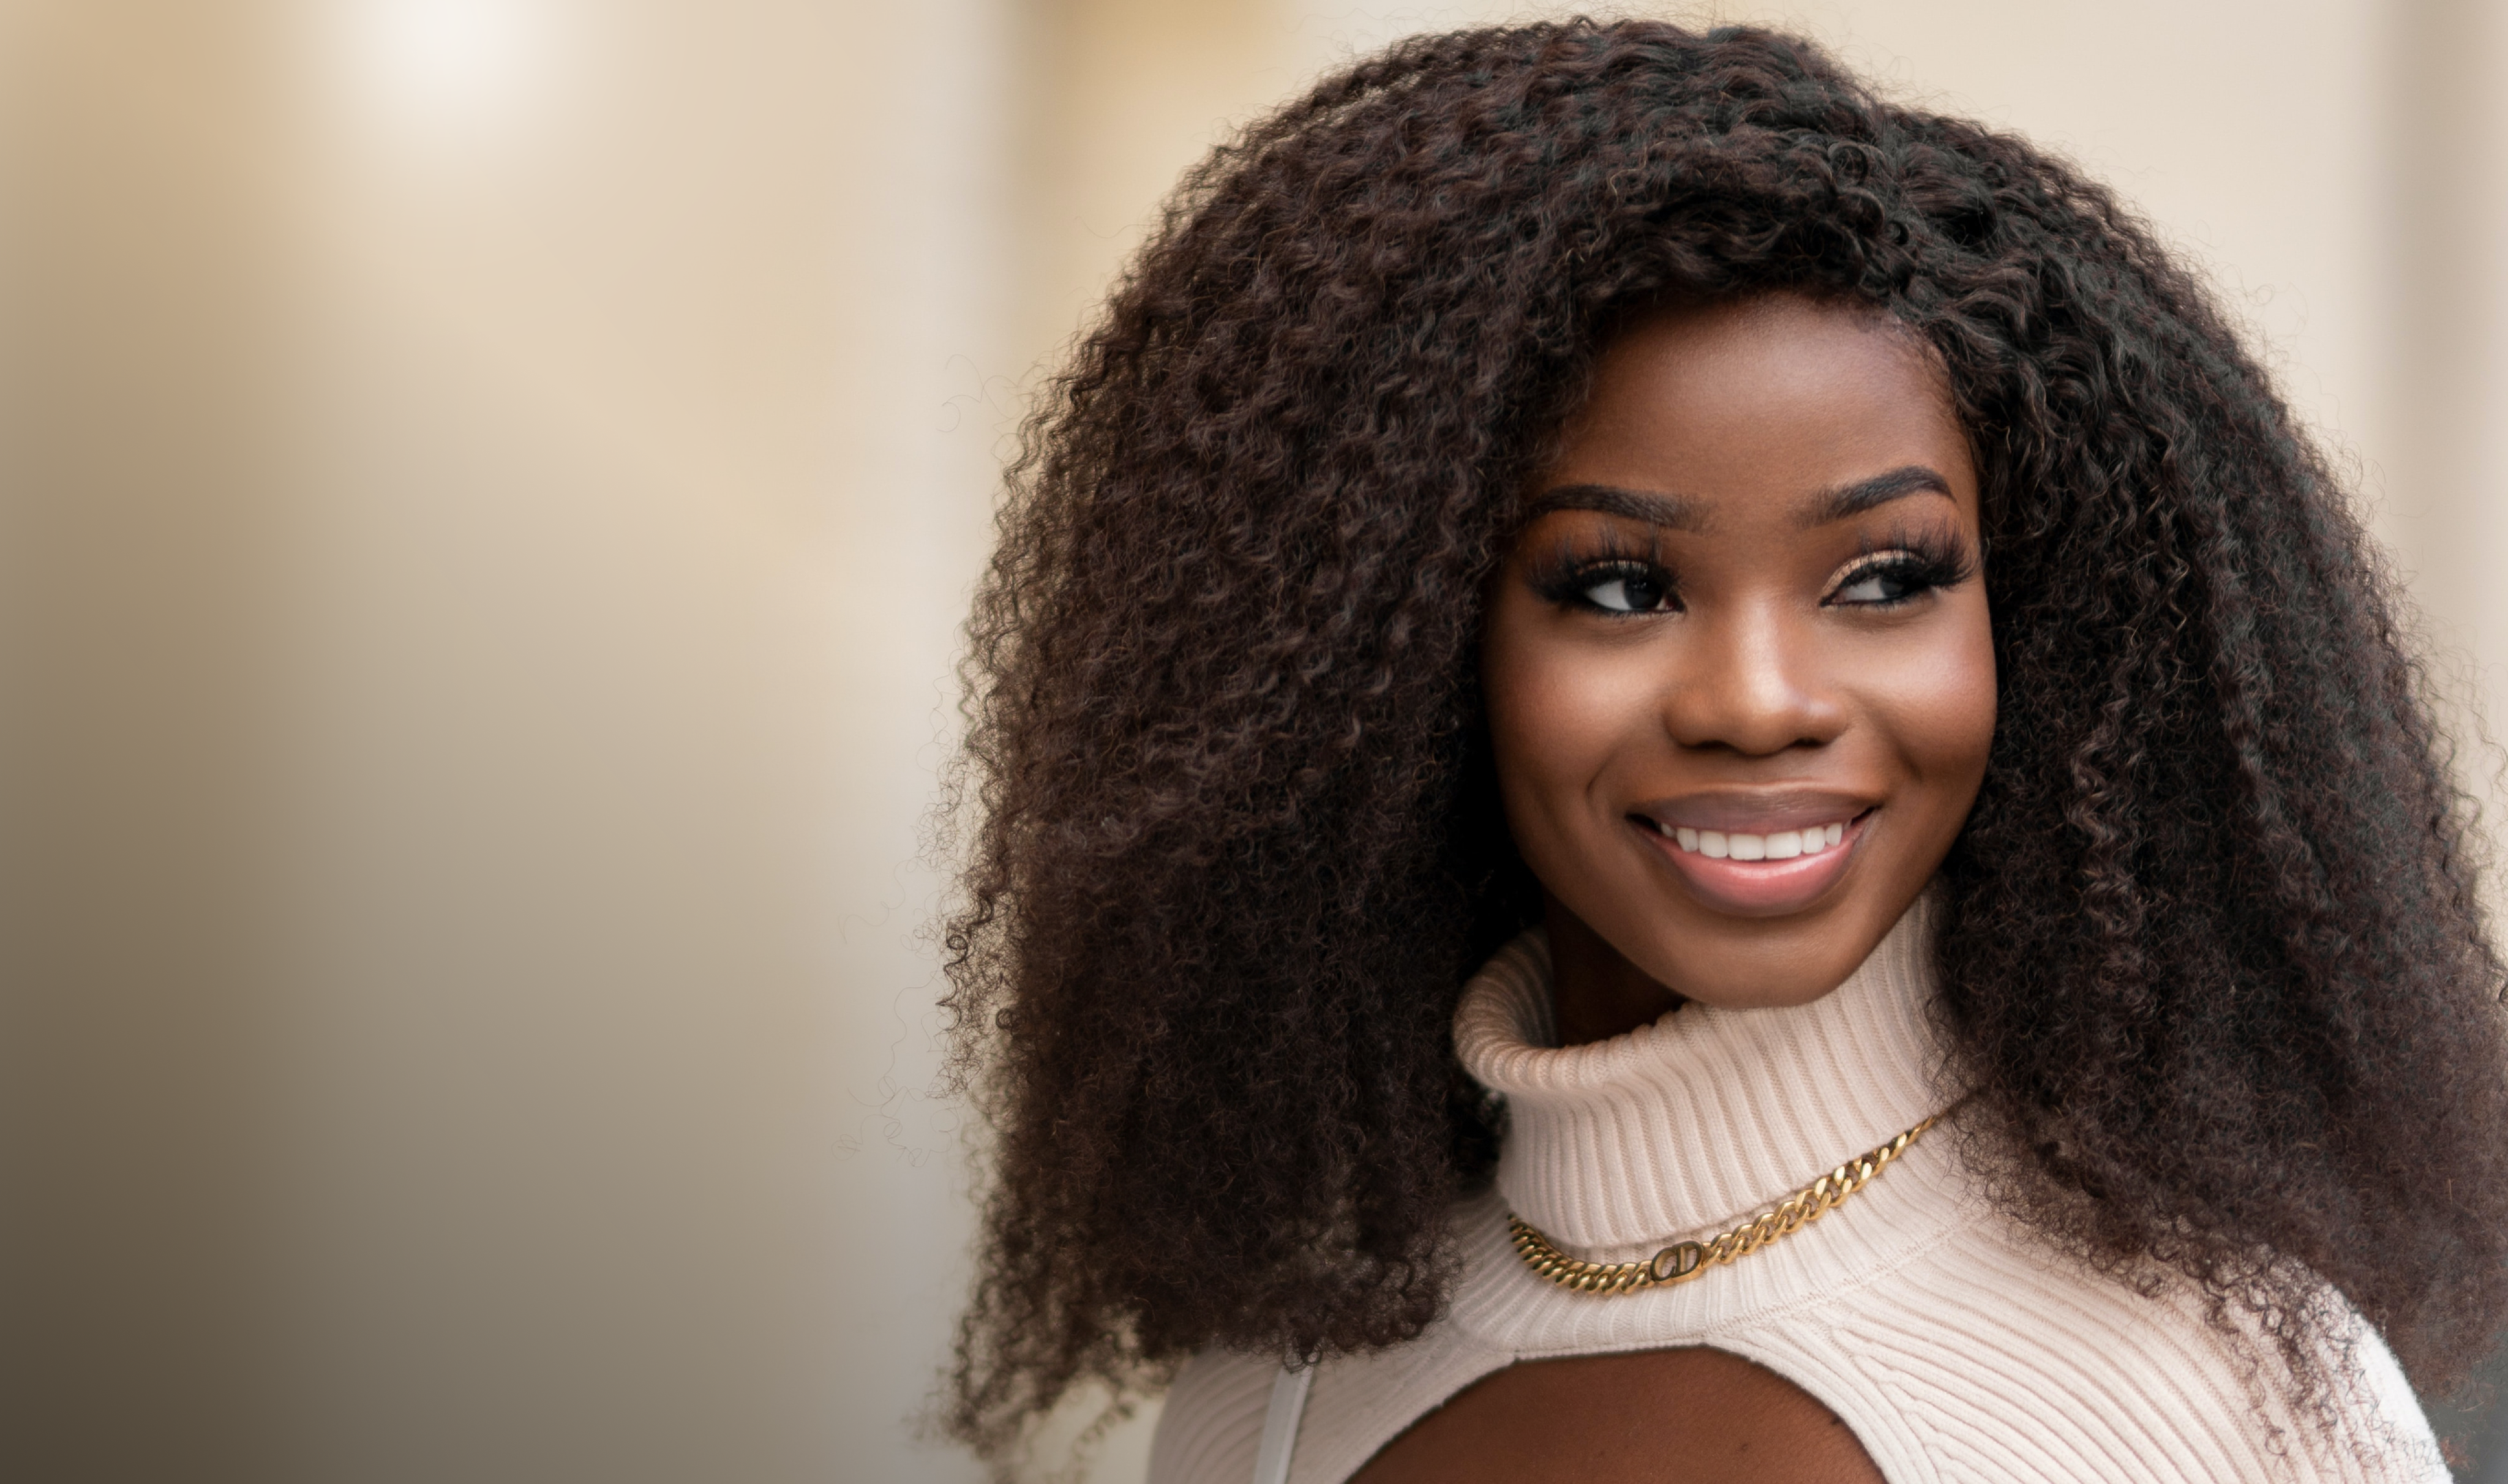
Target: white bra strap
[[1280, 1425]]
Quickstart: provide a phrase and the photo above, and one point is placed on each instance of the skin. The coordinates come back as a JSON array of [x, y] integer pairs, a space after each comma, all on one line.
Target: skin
[[1665, 1416], [1698, 624]]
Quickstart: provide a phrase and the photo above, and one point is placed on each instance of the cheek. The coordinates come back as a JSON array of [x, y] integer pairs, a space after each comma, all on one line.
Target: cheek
[[1556, 717], [1940, 705]]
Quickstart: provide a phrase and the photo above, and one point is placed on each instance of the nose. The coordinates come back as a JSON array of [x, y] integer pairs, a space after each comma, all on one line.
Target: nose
[[1751, 681]]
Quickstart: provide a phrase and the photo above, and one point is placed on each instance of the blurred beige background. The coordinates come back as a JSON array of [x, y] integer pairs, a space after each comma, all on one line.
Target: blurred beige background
[[486, 488]]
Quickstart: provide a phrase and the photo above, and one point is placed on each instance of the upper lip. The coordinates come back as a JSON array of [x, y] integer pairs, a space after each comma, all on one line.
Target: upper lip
[[1754, 811]]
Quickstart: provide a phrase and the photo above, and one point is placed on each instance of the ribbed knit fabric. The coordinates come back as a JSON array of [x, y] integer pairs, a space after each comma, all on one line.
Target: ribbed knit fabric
[[1956, 1344]]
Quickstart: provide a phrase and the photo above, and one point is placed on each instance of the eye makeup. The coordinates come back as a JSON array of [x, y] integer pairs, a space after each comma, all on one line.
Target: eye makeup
[[1909, 565], [1602, 570], [1572, 571]]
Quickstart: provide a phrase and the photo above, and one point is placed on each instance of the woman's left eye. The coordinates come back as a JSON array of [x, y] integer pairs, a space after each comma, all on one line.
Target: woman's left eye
[[1881, 586], [1884, 583]]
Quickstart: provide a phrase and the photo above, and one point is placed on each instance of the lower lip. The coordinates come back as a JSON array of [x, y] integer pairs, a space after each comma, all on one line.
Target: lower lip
[[1761, 888]]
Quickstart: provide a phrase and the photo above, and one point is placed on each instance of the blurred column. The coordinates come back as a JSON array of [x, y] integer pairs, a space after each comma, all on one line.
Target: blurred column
[[2445, 199], [646, 456], [141, 503]]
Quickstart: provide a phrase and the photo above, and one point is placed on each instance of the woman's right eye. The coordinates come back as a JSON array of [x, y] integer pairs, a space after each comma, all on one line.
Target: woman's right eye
[[1627, 590]]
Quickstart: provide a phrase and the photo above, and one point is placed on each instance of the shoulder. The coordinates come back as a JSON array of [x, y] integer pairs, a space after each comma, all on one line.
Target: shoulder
[[2008, 1358]]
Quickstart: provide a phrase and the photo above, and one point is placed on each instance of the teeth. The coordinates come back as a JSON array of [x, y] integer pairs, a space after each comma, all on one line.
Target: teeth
[[1782, 845]]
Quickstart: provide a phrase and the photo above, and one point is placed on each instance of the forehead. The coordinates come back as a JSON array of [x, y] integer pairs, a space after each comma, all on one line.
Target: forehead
[[1780, 396]]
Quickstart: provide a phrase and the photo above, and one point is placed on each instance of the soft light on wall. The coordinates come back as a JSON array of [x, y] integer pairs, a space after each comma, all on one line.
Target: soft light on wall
[[442, 71]]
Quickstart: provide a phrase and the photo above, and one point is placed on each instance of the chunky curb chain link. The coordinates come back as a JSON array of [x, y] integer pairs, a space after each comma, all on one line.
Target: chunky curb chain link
[[1684, 1261]]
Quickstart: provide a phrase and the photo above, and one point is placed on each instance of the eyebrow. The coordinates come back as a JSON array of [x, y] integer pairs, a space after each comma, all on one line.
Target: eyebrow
[[1673, 512], [1682, 513], [1849, 500]]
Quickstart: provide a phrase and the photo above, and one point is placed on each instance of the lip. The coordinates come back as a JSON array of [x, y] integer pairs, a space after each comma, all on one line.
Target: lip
[[1762, 888], [1755, 811]]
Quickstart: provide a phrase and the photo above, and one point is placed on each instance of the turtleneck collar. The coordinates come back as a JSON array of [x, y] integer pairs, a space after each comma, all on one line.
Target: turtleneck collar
[[1706, 1116]]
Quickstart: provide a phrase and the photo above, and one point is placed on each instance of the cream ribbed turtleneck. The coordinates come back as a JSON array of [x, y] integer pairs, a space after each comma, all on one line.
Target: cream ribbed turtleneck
[[1956, 1344], [1683, 1127]]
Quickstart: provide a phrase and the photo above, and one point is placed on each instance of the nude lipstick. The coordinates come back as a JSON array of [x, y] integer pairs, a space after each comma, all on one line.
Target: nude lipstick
[[1757, 857]]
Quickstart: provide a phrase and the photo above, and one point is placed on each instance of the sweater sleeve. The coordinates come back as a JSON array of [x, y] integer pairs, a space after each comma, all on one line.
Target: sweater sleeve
[[1212, 1421]]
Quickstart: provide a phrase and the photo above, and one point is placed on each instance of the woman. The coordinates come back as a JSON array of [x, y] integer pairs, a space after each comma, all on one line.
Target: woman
[[1608, 625]]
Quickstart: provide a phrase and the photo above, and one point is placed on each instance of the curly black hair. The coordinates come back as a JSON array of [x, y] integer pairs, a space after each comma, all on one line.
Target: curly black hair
[[2211, 945]]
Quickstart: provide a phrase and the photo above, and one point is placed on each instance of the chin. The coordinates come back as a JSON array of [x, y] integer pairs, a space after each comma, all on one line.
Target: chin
[[1735, 963]]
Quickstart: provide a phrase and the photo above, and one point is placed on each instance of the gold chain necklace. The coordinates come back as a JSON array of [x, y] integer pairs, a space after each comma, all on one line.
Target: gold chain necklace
[[1683, 1261]]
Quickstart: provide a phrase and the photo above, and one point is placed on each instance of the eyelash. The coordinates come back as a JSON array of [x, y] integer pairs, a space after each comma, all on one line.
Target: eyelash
[[1919, 562], [1568, 575]]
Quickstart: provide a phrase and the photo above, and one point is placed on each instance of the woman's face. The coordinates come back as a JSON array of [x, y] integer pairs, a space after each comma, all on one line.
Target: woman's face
[[1738, 668]]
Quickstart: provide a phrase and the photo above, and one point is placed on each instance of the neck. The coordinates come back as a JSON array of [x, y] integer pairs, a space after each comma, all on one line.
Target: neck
[[1595, 991]]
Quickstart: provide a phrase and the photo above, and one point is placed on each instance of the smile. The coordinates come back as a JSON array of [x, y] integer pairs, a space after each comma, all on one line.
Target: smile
[[1782, 845], [1757, 875]]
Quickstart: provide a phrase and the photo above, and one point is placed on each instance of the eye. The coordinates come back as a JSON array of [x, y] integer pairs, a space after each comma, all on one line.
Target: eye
[[1880, 584], [1625, 589], [1889, 579]]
